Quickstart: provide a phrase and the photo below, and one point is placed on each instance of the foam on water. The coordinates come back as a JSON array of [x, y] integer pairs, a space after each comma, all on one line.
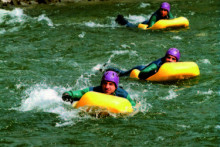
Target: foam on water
[[82, 35], [192, 13], [137, 18], [15, 19], [43, 17], [97, 67], [14, 16], [206, 61], [2, 31], [122, 52], [83, 81], [217, 127], [183, 126], [209, 92], [114, 53], [144, 5], [92, 24], [42, 98], [141, 104], [171, 95], [176, 38]]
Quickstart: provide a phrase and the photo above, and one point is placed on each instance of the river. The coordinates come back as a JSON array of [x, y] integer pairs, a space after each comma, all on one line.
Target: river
[[46, 50]]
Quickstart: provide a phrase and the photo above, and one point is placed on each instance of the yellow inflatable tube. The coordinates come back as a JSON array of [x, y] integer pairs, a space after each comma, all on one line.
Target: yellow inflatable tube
[[172, 72], [167, 23], [112, 103]]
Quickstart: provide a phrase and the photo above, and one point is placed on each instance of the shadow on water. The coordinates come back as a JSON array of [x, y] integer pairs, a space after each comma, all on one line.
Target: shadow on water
[[99, 112]]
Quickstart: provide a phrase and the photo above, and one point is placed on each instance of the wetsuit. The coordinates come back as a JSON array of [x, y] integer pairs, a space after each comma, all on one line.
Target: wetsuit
[[146, 71], [156, 16], [76, 95], [153, 19]]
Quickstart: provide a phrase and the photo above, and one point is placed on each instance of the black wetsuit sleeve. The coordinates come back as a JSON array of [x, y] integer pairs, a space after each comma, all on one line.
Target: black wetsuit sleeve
[[148, 71]]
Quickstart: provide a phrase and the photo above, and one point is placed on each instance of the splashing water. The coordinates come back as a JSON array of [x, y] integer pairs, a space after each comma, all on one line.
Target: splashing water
[[42, 98], [82, 35], [101, 67], [44, 18], [92, 24], [177, 37], [11, 17], [15, 20], [171, 95], [206, 61], [138, 18], [144, 5]]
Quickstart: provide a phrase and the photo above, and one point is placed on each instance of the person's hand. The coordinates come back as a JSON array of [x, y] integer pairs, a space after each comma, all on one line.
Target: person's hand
[[67, 98]]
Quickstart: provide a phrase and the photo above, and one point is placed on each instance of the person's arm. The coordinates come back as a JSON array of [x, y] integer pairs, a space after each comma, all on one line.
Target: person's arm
[[71, 96], [130, 100], [152, 21], [148, 71], [170, 15]]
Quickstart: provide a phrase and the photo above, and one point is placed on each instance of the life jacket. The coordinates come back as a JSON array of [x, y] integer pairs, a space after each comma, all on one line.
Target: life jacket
[[118, 92]]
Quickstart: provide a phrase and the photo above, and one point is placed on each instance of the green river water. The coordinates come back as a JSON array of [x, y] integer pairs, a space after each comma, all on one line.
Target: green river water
[[48, 49]]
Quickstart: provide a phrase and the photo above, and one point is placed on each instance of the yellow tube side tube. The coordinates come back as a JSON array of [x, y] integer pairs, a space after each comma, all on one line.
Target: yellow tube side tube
[[167, 23], [112, 103], [172, 72], [142, 26]]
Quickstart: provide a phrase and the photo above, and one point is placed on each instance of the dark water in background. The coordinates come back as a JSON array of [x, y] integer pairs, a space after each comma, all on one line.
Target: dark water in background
[[46, 50]]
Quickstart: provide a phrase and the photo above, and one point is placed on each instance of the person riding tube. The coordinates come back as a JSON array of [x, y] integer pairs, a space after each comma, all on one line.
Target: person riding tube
[[162, 13], [172, 55], [109, 85]]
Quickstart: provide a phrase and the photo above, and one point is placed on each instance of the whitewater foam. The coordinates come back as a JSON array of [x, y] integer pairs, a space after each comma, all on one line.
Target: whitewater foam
[[15, 20]]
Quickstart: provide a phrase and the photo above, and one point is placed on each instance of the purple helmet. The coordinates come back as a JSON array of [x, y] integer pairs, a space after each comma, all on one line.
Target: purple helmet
[[112, 77], [174, 52], [166, 6]]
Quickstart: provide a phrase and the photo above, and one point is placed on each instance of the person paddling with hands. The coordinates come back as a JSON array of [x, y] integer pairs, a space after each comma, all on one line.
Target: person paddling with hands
[[109, 85], [172, 55], [162, 13]]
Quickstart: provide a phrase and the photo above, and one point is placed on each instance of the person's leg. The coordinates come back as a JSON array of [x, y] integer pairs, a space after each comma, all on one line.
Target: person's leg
[[122, 21], [145, 22], [130, 25]]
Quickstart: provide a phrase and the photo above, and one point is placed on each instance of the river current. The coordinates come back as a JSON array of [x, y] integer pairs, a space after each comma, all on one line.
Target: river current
[[46, 50]]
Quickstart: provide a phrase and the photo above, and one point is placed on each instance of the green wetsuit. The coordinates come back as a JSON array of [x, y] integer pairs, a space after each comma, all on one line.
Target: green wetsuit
[[148, 71], [151, 69], [156, 16]]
